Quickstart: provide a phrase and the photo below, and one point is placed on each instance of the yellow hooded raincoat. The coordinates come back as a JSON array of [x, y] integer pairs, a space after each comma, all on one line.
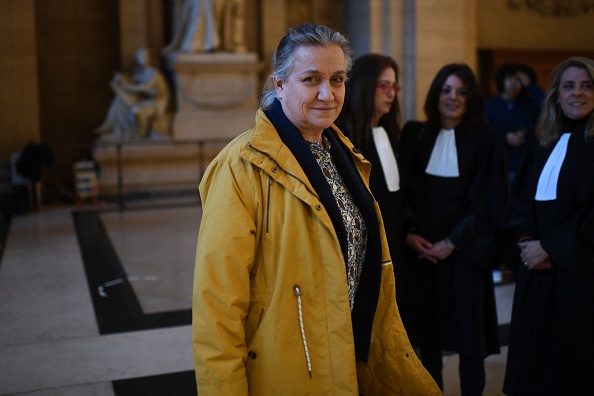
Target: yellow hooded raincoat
[[271, 314]]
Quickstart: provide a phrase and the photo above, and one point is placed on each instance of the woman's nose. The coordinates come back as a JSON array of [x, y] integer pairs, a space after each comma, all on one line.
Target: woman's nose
[[578, 90], [324, 90]]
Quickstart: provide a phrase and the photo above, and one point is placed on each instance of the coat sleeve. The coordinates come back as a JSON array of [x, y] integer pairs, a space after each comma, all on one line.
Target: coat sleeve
[[409, 148], [585, 250], [224, 258], [475, 233], [570, 244]]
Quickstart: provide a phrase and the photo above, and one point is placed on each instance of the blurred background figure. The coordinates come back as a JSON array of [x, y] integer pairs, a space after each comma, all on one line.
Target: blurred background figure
[[552, 325], [139, 109], [514, 111], [454, 188]]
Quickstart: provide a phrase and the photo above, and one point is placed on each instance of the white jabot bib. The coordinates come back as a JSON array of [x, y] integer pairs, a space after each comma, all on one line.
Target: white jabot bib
[[444, 157], [546, 190], [387, 158]]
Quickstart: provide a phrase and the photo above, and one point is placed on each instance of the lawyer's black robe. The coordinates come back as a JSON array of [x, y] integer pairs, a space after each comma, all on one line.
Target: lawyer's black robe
[[390, 203], [454, 299], [551, 349]]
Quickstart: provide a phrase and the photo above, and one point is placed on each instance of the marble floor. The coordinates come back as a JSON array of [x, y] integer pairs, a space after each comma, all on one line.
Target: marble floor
[[96, 301]]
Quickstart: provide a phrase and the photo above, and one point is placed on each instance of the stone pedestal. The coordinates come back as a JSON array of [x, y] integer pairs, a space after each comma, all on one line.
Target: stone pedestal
[[142, 166], [217, 94], [216, 101]]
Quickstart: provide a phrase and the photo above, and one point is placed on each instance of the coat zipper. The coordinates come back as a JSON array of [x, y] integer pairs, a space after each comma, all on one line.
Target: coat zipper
[[297, 291]]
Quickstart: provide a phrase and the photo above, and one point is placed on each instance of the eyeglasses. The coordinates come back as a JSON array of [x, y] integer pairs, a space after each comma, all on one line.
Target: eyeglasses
[[389, 88]]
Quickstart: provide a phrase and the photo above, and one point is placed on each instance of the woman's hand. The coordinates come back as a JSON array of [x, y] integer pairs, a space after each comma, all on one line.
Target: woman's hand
[[441, 250], [516, 138], [428, 251], [534, 256], [420, 245]]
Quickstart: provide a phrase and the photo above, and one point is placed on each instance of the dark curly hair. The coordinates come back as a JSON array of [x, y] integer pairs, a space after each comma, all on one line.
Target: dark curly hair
[[510, 69]]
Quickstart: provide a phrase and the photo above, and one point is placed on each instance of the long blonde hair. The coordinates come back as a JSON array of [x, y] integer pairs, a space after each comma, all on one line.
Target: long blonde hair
[[549, 125]]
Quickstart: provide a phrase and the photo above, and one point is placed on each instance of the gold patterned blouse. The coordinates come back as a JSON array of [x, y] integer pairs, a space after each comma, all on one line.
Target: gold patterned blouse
[[351, 215]]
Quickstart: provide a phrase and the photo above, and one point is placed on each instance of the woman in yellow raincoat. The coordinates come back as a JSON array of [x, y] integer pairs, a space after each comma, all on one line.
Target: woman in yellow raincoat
[[294, 286]]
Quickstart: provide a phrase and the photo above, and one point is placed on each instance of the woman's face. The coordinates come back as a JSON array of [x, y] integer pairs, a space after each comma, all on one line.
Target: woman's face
[[512, 86], [312, 95], [452, 102], [385, 93], [576, 93]]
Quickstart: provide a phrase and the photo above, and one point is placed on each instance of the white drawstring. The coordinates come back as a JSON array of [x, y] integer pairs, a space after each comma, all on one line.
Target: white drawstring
[[297, 291]]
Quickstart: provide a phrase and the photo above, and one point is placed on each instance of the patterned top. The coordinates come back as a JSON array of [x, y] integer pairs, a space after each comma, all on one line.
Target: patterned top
[[351, 215]]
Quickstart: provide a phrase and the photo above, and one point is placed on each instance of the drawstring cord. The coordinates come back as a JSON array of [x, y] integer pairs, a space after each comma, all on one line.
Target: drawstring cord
[[297, 291]]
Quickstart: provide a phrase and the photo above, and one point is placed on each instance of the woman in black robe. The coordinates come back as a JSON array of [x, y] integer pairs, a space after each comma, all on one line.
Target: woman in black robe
[[370, 117], [454, 188], [551, 350]]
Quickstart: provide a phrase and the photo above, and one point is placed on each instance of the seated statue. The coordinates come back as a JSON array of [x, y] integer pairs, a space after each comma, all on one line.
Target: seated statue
[[208, 26], [139, 109]]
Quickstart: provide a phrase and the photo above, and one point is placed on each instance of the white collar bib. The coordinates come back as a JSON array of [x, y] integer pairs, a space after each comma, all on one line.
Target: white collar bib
[[387, 158], [444, 157], [546, 190]]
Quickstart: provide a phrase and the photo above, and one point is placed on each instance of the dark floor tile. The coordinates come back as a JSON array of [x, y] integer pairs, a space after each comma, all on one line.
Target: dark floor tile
[[119, 310], [178, 384]]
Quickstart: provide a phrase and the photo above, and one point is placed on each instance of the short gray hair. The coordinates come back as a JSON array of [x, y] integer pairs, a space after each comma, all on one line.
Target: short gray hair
[[307, 34]]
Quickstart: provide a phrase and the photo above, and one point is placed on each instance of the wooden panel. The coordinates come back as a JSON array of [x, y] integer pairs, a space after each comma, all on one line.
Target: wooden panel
[[78, 52], [19, 110]]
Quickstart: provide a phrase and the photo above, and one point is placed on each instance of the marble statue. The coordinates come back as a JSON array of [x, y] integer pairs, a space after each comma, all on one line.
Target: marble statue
[[208, 26], [230, 23], [139, 109]]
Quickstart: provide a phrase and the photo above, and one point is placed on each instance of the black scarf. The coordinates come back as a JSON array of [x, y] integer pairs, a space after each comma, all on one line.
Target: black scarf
[[367, 294]]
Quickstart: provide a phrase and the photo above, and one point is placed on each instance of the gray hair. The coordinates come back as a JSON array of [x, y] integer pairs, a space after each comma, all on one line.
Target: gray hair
[[303, 35]]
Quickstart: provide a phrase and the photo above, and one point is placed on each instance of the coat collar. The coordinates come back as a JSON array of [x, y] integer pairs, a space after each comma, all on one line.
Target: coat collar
[[265, 139]]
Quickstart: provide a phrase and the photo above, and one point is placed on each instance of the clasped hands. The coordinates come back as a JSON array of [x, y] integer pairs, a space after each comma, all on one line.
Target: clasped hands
[[433, 252], [534, 256]]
